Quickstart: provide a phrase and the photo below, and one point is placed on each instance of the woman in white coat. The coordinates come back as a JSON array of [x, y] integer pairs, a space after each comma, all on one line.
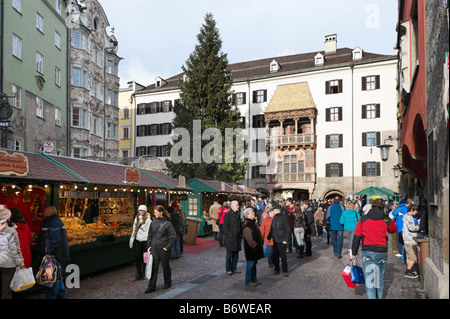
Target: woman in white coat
[[138, 239]]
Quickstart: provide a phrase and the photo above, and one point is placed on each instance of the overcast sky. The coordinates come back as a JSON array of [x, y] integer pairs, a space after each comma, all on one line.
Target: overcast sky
[[156, 36]]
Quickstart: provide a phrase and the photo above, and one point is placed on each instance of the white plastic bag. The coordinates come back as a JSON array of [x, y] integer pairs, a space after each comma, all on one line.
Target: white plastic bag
[[148, 268], [23, 279]]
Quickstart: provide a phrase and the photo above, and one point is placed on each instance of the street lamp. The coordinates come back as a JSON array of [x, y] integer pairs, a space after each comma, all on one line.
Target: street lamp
[[397, 170], [384, 151]]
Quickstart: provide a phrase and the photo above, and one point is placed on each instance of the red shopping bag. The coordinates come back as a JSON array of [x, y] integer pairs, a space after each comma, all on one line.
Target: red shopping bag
[[347, 274]]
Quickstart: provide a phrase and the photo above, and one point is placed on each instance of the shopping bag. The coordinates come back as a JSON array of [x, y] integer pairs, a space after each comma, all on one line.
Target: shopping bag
[[145, 257], [23, 279], [357, 273], [148, 268], [49, 272], [347, 274]]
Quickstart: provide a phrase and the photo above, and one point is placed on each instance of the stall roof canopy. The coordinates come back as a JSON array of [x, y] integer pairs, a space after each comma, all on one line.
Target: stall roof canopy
[[202, 185], [32, 167], [101, 173], [165, 180], [383, 193]]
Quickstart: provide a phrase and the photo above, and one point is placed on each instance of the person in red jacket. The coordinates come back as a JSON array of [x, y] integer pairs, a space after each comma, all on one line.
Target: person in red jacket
[[25, 237], [372, 233]]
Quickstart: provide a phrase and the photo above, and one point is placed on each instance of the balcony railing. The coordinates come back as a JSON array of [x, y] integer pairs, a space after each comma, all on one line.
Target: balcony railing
[[292, 178], [291, 139]]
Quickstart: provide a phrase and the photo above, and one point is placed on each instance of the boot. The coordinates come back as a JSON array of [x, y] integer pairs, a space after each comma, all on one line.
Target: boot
[[300, 251]]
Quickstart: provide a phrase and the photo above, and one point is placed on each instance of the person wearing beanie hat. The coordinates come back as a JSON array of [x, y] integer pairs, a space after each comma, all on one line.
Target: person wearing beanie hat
[[138, 239], [11, 257]]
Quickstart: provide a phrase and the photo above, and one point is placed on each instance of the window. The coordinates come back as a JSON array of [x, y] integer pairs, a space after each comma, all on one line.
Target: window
[[80, 40], [259, 145], [126, 113], [58, 6], [113, 67], [239, 99], [79, 152], [370, 111], [94, 126], [79, 77], [40, 22], [371, 138], [258, 172], [17, 96], [333, 87], [17, 46], [166, 129], [39, 107], [371, 169], [125, 154], [17, 4], [167, 106], [58, 40], [260, 96], [125, 133], [80, 118], [192, 206], [112, 97], [17, 145], [334, 170], [333, 114], [96, 56], [334, 141], [370, 82], [259, 121], [39, 63], [141, 151], [57, 76], [57, 117]]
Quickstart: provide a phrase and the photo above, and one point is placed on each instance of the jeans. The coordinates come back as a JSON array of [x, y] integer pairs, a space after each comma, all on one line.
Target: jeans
[[57, 291], [268, 249], [337, 237], [250, 271], [374, 266], [349, 235], [232, 259]]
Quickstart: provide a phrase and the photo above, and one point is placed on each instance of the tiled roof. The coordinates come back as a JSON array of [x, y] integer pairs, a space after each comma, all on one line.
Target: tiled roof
[[290, 64]]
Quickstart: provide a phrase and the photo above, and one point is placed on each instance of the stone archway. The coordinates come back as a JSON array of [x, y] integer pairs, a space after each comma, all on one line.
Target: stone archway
[[331, 194]]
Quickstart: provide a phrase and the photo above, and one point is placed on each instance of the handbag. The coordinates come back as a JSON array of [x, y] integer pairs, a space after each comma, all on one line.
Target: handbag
[[347, 274], [148, 267], [23, 279], [357, 273], [49, 272]]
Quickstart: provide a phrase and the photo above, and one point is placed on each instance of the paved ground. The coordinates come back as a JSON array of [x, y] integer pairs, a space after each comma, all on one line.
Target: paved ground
[[202, 276]]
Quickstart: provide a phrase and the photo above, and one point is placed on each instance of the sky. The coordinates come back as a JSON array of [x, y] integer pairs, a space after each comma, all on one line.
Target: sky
[[156, 37]]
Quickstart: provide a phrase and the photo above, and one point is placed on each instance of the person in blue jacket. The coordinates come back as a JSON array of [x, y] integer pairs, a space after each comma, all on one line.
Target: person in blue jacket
[[337, 229], [397, 216], [349, 219]]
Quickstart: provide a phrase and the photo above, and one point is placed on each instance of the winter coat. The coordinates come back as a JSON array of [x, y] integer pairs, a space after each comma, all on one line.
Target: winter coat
[[214, 214], [318, 217], [371, 231], [140, 231], [253, 242], [25, 239], [10, 254], [280, 228], [410, 229], [334, 212], [265, 229], [349, 219], [397, 215], [222, 212], [166, 237], [232, 231], [308, 217], [177, 222], [52, 239]]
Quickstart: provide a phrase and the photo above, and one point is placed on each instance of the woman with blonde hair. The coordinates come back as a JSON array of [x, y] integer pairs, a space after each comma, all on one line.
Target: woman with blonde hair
[[349, 219]]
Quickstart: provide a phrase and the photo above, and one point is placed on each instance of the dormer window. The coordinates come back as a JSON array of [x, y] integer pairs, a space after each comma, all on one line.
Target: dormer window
[[160, 82], [274, 66], [319, 59], [357, 53]]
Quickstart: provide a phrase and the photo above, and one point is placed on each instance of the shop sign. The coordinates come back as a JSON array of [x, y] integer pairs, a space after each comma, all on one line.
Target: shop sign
[[132, 176], [49, 147], [13, 165], [178, 197]]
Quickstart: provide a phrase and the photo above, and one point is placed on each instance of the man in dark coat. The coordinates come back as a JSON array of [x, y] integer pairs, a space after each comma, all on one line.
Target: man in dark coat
[[232, 236], [310, 230], [280, 232]]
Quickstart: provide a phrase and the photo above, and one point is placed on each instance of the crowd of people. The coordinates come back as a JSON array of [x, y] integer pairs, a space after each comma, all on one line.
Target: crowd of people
[[265, 228], [288, 225]]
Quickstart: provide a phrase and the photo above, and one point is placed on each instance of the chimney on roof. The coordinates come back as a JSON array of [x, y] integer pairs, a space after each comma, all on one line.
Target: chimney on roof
[[330, 43]]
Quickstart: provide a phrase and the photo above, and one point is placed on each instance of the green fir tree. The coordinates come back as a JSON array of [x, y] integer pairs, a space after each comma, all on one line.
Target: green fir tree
[[205, 95]]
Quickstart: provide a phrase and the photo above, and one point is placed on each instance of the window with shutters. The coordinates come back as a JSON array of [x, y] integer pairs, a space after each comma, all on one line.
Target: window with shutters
[[259, 145], [371, 169], [333, 114], [239, 98], [334, 141], [259, 121], [371, 138], [371, 82], [260, 96], [258, 172], [333, 87], [167, 106], [371, 111], [334, 170]]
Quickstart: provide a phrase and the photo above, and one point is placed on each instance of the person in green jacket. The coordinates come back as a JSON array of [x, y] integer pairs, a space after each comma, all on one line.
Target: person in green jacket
[[349, 219]]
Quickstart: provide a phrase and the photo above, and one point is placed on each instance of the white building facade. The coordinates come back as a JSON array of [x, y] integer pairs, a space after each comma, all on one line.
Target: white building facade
[[352, 108]]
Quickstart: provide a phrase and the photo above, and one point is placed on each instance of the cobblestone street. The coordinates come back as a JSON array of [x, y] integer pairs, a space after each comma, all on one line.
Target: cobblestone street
[[203, 276]]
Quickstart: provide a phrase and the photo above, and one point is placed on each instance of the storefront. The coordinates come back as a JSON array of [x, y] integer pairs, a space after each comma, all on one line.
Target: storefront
[[205, 193], [96, 201]]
